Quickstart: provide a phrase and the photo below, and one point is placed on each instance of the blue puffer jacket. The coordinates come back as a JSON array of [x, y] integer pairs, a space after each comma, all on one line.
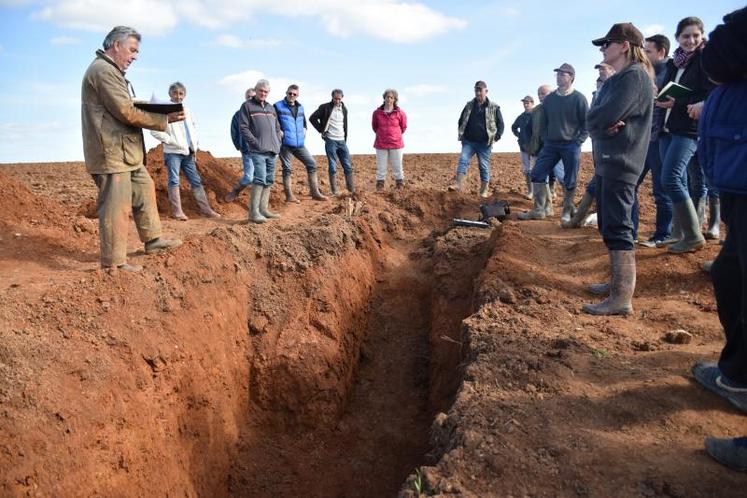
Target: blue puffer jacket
[[722, 148], [294, 127]]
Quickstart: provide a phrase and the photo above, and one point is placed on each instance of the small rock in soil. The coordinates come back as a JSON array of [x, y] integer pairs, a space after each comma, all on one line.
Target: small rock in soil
[[678, 336]]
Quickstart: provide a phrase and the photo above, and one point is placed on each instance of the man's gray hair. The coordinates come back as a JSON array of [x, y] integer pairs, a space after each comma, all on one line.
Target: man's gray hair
[[337, 91], [263, 83], [120, 34], [177, 85]]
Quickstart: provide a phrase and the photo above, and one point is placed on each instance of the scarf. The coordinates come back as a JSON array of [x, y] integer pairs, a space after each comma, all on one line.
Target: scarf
[[681, 58]]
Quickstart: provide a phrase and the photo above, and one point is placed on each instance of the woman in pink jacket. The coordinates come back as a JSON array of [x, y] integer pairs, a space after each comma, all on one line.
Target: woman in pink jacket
[[389, 122]]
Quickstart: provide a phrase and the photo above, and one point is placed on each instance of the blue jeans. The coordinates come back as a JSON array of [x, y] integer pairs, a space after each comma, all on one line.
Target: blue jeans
[[300, 153], [663, 203], [698, 184], [337, 149], [551, 153], [264, 168], [182, 162], [676, 151], [558, 171], [248, 165], [483, 152]]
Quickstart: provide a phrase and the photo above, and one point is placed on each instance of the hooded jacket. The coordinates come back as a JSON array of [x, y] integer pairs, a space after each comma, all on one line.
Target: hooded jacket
[[110, 123]]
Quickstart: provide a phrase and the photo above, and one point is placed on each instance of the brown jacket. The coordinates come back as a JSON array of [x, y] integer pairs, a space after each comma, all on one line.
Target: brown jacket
[[111, 124]]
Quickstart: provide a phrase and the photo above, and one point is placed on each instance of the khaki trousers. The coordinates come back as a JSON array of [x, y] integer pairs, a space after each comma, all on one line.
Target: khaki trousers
[[120, 193]]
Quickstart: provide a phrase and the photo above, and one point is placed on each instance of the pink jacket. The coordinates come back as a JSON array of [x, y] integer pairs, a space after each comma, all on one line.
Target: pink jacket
[[389, 128]]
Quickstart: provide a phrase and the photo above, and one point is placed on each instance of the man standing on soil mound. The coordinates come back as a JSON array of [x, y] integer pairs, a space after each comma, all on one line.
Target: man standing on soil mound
[[114, 151], [260, 130], [480, 125], [293, 123]]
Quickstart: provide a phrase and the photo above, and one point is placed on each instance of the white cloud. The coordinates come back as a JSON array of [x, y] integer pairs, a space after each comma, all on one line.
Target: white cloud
[[64, 40], [510, 12], [424, 90], [233, 41], [391, 20], [149, 16], [653, 29]]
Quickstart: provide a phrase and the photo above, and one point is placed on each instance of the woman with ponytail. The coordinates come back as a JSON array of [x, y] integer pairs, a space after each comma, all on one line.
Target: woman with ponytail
[[619, 122]]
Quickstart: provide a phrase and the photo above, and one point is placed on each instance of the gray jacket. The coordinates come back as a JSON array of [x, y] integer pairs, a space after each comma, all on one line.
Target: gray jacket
[[259, 127], [626, 96]]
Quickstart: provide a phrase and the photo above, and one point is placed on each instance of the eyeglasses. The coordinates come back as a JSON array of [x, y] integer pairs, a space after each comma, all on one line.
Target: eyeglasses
[[291, 94]]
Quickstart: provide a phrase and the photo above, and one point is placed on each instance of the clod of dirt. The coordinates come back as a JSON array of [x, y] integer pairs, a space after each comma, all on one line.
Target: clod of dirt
[[678, 336]]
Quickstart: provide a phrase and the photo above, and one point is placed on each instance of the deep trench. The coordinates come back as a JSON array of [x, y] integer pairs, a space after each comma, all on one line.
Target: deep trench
[[408, 369]]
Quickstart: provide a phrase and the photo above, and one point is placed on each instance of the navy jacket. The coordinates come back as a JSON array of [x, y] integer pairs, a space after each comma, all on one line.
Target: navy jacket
[[238, 140], [522, 129], [722, 148], [292, 122]]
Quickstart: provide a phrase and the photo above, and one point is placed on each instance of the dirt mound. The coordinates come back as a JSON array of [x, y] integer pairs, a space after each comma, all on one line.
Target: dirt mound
[[20, 205]]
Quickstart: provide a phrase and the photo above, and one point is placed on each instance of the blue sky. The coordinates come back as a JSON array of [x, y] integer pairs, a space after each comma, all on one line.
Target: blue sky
[[431, 52]]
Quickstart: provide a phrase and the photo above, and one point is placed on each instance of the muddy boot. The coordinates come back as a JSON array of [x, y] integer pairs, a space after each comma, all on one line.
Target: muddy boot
[[254, 200], [158, 244], [203, 203], [568, 208], [622, 286], [314, 187], [700, 205], [549, 211], [288, 189], [578, 217], [706, 266], [175, 200], [714, 218], [485, 189], [528, 179], [264, 202], [349, 182], [599, 289], [458, 183], [692, 239], [379, 186], [399, 184], [234, 193], [333, 185], [540, 200]]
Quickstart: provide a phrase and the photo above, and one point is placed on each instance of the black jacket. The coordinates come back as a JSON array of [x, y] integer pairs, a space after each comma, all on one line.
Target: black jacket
[[694, 78], [522, 129], [320, 118]]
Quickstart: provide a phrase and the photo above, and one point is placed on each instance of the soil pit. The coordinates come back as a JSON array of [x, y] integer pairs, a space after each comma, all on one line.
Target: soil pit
[[336, 350]]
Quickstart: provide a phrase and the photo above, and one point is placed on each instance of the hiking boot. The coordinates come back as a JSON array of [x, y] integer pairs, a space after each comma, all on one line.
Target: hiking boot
[[580, 215], [203, 203], [175, 200], [314, 187], [540, 200], [158, 244], [729, 452], [399, 184], [622, 286], [379, 186], [264, 203], [254, 201], [692, 239], [458, 183]]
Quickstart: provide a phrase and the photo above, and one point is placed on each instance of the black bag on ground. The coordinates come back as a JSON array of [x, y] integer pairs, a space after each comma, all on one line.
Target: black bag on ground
[[498, 209]]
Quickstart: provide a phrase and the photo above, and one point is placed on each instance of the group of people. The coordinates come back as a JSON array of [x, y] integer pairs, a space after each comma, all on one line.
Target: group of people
[[632, 130]]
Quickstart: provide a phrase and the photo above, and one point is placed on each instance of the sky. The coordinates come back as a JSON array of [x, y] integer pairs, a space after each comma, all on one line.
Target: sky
[[432, 52]]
